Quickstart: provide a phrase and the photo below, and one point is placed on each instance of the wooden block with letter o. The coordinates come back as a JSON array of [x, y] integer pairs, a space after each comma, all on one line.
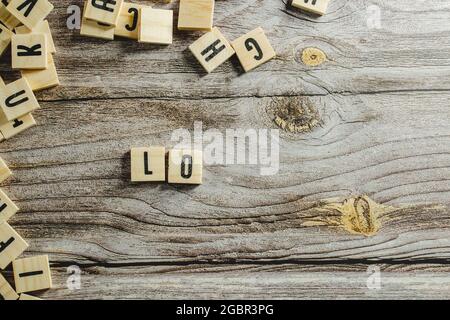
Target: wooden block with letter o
[[42, 27], [32, 274], [156, 26], [318, 7], [129, 20], [17, 99], [5, 173], [29, 51], [185, 166], [148, 164], [42, 79], [5, 38], [103, 11], [16, 126], [7, 207], [253, 49], [6, 17], [196, 15], [11, 245], [30, 12], [6, 291]]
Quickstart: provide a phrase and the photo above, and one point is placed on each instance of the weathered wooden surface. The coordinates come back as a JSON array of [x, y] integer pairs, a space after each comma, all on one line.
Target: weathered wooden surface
[[382, 98]]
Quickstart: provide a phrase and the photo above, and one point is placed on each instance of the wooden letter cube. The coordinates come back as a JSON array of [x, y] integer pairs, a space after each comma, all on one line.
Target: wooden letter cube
[[211, 50], [7, 207], [129, 21], [318, 7], [156, 26], [11, 245], [6, 291], [96, 29], [17, 99], [6, 17], [24, 296], [185, 166], [148, 164], [29, 51], [253, 49], [12, 128], [42, 79], [196, 15], [30, 12], [103, 11], [5, 173], [32, 274], [5, 38], [42, 27]]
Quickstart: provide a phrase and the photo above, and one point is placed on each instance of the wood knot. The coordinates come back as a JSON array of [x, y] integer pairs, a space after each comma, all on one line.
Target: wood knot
[[313, 57]]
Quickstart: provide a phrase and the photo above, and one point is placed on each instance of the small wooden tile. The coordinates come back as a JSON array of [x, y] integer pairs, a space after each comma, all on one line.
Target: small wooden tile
[[196, 15], [5, 173], [5, 38], [6, 17], [32, 274], [16, 100], [90, 28], [148, 164], [7, 207], [318, 7], [29, 51], [42, 79], [11, 245], [253, 49], [42, 27], [6, 291], [16, 126], [211, 50], [185, 166], [103, 11], [24, 296], [29, 12], [129, 21], [156, 26]]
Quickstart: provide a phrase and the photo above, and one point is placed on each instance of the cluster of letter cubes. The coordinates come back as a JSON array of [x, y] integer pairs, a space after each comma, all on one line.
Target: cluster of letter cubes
[[149, 165], [30, 274], [23, 25], [107, 18]]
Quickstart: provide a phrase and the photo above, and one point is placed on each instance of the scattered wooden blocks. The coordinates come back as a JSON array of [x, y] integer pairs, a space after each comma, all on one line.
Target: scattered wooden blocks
[[148, 164], [32, 274], [29, 51], [318, 7], [24, 296], [211, 50], [6, 291], [42, 79], [16, 126], [253, 49], [17, 99], [156, 26], [196, 15], [129, 21], [7, 207], [96, 29], [185, 166], [42, 27], [103, 11], [11, 245], [5, 173], [30, 12], [5, 38], [6, 17]]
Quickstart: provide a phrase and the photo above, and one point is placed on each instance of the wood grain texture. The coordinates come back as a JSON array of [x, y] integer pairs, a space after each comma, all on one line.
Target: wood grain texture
[[383, 131]]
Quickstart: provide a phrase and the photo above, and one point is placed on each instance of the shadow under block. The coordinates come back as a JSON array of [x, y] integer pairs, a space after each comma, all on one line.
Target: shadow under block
[[24, 296], [5, 173], [6, 17], [5, 38], [253, 49], [42, 27], [103, 11], [29, 12], [16, 100], [129, 21], [12, 128], [148, 164], [211, 50], [7, 207], [32, 274], [185, 166], [90, 28], [42, 79], [11, 245], [196, 15], [29, 51], [318, 7], [6, 291], [156, 26]]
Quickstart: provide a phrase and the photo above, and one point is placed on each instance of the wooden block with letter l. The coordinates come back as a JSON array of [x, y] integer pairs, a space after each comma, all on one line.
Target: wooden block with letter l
[[42, 79], [253, 49], [42, 27], [148, 164], [32, 274], [6, 291], [103, 11], [196, 15], [156, 26], [11, 245], [16, 126], [16, 100], [129, 21], [24, 296], [29, 51], [7, 207], [30, 12], [5, 173], [185, 166], [5, 38], [318, 7], [90, 28], [6, 17], [211, 50]]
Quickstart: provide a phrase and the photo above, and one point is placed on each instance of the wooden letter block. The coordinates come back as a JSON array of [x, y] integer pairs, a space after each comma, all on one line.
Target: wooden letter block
[[7, 207], [30, 12], [185, 166], [11, 245], [156, 26], [104, 11], [6, 291], [196, 15], [5, 173], [90, 28], [253, 49], [42, 27], [5, 38], [17, 99], [12, 128], [29, 51], [129, 21], [211, 50], [318, 7], [32, 274], [6, 17], [148, 164], [42, 79], [24, 296]]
